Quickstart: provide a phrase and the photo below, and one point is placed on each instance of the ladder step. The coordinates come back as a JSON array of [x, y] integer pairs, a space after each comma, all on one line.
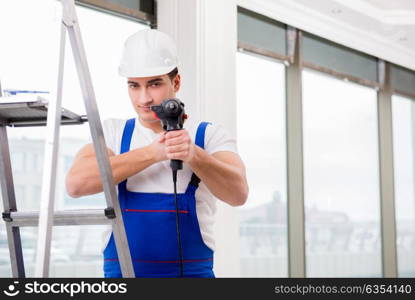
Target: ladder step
[[61, 218], [33, 113]]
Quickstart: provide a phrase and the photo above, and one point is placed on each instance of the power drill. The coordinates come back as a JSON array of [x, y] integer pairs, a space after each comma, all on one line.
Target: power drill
[[172, 116]]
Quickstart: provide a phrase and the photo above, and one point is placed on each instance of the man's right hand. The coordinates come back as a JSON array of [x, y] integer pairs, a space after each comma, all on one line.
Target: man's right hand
[[158, 148]]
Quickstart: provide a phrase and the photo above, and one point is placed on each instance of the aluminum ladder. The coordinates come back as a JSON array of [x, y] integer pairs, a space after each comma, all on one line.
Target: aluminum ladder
[[37, 112]]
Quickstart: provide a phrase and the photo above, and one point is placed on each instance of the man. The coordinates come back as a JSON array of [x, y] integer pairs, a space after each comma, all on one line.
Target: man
[[140, 152]]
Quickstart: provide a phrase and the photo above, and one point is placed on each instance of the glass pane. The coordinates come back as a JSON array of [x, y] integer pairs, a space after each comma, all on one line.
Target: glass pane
[[146, 6], [134, 4], [404, 168], [338, 58], [261, 144], [403, 79], [341, 178], [36, 70], [261, 32], [76, 251]]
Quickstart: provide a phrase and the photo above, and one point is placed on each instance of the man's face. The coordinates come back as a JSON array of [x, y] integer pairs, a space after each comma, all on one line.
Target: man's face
[[148, 91]]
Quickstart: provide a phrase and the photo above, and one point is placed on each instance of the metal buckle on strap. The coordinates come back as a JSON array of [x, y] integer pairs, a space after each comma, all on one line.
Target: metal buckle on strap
[[195, 180]]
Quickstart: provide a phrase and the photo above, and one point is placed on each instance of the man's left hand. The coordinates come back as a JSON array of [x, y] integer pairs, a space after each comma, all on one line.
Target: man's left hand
[[179, 145]]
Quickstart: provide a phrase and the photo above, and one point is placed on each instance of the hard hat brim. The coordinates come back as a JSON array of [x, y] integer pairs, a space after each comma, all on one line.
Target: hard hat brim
[[146, 73]]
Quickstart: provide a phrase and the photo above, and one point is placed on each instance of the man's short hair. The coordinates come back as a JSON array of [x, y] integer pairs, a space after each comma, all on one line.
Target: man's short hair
[[173, 73]]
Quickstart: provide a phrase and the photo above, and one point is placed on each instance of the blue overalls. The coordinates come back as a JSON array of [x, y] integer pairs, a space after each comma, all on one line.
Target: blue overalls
[[150, 223]]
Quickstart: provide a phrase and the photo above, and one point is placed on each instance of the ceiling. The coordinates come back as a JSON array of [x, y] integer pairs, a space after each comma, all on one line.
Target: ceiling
[[382, 28], [392, 21], [395, 4]]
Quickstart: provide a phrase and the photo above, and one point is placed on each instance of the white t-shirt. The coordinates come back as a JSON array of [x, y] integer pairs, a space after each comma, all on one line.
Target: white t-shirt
[[157, 178]]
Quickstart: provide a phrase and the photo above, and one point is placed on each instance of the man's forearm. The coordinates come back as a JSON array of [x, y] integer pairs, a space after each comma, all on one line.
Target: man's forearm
[[85, 179], [223, 180]]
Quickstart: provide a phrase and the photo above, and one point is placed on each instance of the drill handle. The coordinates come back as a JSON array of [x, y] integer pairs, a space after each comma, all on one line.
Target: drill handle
[[176, 164]]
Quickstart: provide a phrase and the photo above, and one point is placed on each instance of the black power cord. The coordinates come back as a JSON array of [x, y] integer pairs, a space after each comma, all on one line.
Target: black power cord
[[179, 242], [172, 116]]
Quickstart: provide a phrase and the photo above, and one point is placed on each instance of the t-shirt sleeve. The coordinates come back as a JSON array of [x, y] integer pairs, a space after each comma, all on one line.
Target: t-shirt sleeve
[[217, 138], [108, 127]]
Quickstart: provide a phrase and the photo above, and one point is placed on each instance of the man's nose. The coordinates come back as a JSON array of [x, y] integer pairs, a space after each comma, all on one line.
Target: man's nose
[[144, 98]]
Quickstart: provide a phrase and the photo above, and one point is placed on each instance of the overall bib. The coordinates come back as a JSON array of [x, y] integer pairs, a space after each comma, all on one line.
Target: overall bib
[[150, 224]]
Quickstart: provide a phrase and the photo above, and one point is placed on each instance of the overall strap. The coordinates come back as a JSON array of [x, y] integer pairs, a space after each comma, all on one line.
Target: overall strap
[[125, 147], [126, 136], [200, 134], [199, 141]]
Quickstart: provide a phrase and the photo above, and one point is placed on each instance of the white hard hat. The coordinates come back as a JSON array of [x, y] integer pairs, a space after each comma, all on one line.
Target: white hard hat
[[148, 52]]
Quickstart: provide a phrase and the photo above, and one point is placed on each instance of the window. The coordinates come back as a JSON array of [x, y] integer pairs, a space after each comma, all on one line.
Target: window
[[18, 160], [272, 38], [403, 79], [20, 193], [341, 178], [403, 110], [261, 144], [326, 54], [31, 64]]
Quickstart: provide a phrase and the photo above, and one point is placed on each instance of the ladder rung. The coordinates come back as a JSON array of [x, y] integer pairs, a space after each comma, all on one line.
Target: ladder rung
[[60, 218], [42, 122], [34, 113]]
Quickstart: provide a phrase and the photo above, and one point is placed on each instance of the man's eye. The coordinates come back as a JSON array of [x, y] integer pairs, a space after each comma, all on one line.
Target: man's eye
[[132, 86], [156, 84]]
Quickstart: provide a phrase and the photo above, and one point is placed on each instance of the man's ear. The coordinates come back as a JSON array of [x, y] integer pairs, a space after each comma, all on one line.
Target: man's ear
[[176, 83]]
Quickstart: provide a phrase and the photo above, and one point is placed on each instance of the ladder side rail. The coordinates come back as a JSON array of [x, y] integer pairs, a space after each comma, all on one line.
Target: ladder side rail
[[120, 236], [9, 205], [50, 169]]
